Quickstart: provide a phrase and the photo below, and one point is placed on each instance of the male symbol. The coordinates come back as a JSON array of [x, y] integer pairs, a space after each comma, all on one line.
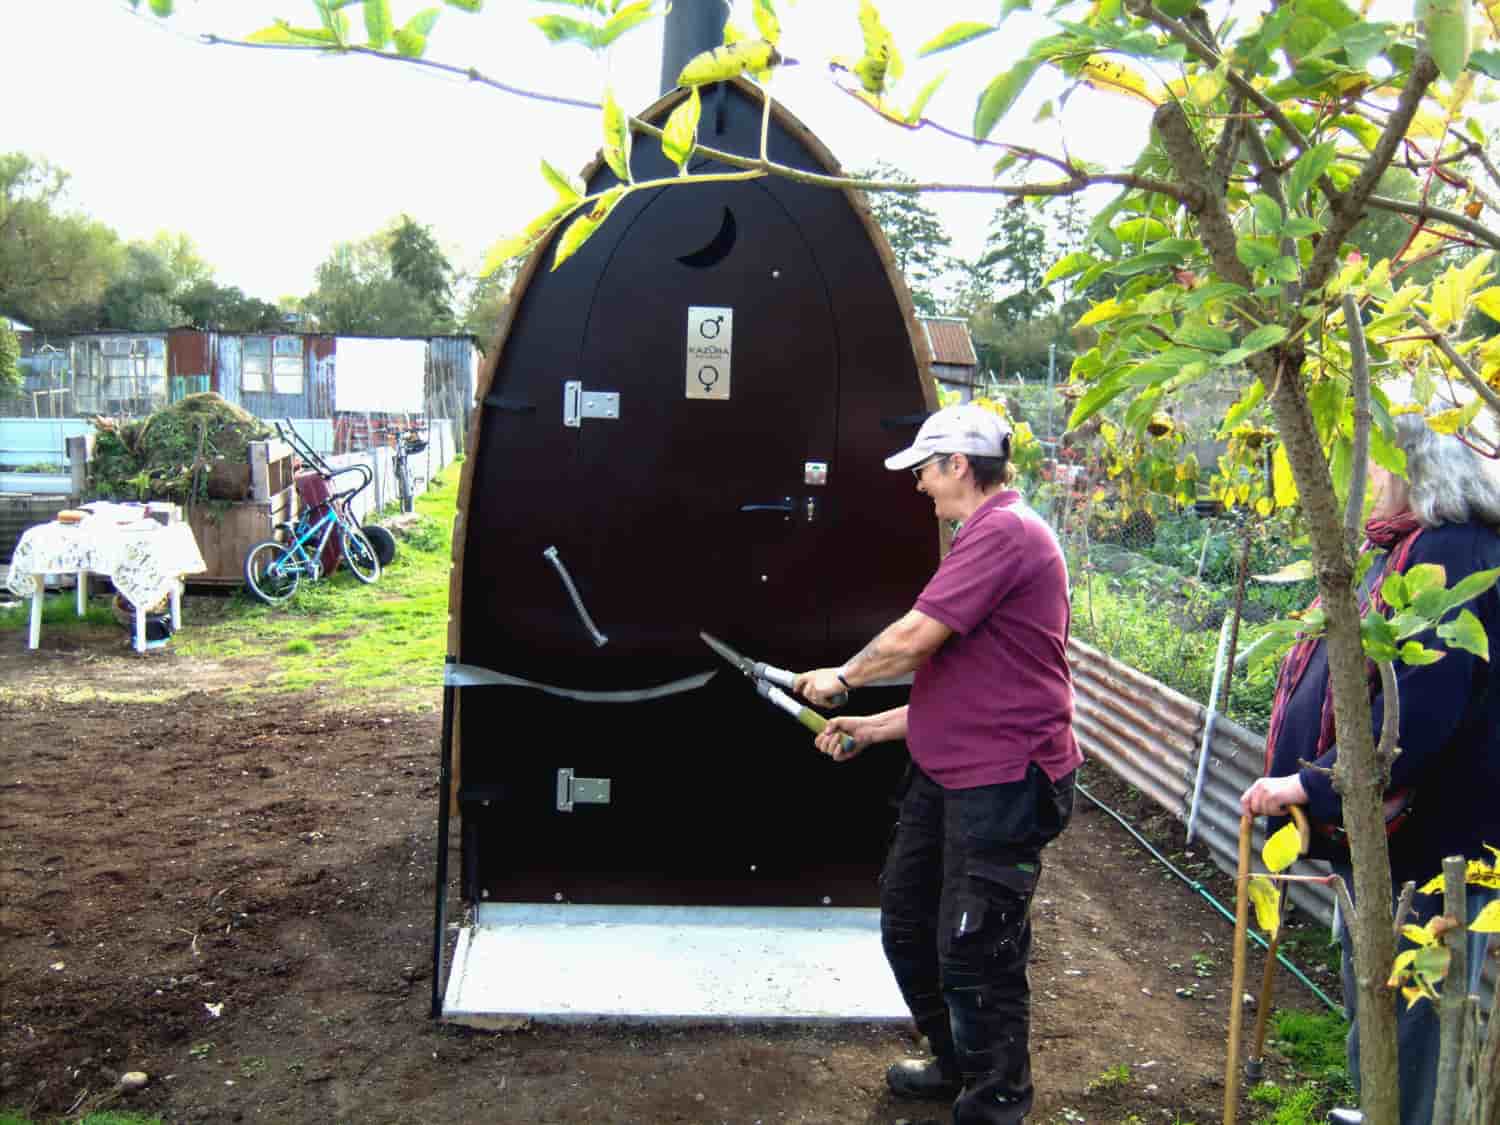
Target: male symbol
[[718, 324]]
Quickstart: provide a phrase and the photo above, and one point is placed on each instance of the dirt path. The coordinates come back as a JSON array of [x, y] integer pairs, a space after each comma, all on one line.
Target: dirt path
[[162, 859]]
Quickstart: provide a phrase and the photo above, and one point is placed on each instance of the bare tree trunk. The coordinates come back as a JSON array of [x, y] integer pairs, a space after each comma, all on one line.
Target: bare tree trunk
[[1360, 776]]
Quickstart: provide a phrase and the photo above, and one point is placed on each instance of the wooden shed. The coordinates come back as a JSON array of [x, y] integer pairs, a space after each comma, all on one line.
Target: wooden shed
[[682, 429]]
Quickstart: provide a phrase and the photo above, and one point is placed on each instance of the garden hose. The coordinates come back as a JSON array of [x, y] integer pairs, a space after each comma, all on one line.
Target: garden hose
[[1215, 903]]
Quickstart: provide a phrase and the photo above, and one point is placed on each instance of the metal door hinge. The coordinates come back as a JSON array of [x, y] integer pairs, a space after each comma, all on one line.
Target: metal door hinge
[[573, 790], [579, 404]]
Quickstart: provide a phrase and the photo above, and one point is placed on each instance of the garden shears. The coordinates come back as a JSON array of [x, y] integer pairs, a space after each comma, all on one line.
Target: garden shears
[[766, 677]]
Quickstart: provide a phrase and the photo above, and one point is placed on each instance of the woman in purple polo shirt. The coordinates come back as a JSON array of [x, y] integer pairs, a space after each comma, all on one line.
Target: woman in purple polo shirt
[[989, 727]]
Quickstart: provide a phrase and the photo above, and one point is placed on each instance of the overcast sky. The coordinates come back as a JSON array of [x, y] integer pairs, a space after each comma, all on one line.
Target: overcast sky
[[268, 158]]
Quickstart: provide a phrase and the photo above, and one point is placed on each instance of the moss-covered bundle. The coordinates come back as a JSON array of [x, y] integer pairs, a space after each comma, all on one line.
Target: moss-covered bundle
[[169, 454]]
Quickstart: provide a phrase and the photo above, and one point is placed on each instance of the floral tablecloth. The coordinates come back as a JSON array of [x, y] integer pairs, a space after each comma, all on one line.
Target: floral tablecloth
[[145, 559]]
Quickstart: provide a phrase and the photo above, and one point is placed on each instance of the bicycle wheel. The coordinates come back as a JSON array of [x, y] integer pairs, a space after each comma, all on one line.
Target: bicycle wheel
[[382, 540], [403, 486], [363, 563], [271, 574]]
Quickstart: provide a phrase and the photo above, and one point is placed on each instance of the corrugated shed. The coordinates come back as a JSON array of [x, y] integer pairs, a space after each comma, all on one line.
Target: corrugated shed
[[950, 342], [449, 392], [314, 358]]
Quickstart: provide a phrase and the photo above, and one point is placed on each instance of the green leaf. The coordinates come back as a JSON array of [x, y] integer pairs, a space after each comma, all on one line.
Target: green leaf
[[566, 29], [1177, 8], [161, 8], [616, 137], [1208, 337], [766, 21], [1142, 230], [1257, 251], [627, 18], [1267, 335], [1393, 590], [1486, 63], [955, 36], [1001, 94], [504, 250], [1466, 632], [466, 5], [681, 131], [1214, 291], [1241, 409], [1414, 653], [279, 33], [1099, 396], [378, 26], [1379, 637], [582, 228], [1445, 23], [411, 40], [563, 185], [723, 63], [1308, 170], [1421, 579], [1267, 213], [1068, 266], [1143, 263], [914, 114], [1363, 41], [1471, 586]]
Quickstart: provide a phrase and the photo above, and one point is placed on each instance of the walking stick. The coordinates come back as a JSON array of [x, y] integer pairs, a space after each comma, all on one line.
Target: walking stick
[[1237, 985], [1254, 1065]]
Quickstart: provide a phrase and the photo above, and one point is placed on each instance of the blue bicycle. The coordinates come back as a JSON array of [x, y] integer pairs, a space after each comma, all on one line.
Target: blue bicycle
[[275, 568]]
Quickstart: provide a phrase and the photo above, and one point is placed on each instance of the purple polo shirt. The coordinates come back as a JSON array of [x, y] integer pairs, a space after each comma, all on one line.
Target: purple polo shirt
[[997, 695]]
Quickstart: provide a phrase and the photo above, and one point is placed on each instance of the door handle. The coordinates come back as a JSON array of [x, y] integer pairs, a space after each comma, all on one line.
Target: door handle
[[784, 505]]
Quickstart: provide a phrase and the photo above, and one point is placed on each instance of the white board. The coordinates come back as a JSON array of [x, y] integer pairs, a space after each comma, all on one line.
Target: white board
[[379, 376]]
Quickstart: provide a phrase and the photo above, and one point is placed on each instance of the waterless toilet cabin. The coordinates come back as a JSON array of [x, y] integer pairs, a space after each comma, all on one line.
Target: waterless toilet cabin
[[682, 429]]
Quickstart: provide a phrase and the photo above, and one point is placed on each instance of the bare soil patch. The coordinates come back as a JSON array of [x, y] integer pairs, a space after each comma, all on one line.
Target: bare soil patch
[[236, 898]]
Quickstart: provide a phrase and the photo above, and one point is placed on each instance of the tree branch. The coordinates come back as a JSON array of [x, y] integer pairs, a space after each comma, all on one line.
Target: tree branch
[[1489, 165], [1229, 144], [1390, 722], [1469, 374], [447, 68], [1425, 211], [1355, 504], [1348, 207], [1187, 161]]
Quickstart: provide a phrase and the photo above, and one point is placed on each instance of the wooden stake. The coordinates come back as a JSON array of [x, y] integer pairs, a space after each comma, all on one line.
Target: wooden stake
[[1237, 986]]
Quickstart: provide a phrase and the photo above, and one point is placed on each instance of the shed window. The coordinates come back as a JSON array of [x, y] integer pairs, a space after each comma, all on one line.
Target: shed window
[[255, 364], [287, 365]]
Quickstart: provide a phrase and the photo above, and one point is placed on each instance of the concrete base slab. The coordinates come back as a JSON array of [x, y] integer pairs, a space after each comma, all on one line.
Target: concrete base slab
[[661, 964]]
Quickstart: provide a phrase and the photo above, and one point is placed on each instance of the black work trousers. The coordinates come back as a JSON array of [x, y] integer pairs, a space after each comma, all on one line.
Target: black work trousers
[[955, 902]]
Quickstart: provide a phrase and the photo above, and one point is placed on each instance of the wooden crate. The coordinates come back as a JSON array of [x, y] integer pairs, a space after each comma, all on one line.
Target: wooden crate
[[226, 534]]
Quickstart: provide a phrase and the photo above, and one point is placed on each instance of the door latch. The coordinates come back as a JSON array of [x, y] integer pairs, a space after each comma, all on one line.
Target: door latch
[[579, 404], [573, 790]]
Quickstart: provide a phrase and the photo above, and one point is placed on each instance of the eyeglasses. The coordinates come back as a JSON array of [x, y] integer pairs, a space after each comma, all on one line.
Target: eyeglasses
[[918, 470]]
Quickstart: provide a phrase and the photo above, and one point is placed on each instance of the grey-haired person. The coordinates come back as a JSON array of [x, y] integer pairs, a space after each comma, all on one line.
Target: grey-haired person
[[1444, 795], [989, 728]]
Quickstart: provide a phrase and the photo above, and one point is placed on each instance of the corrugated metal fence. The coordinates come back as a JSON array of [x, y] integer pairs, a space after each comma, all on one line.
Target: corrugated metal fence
[[1150, 736]]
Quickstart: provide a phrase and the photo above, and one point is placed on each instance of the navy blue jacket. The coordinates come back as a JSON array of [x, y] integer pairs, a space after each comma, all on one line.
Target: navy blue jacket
[[1450, 726]]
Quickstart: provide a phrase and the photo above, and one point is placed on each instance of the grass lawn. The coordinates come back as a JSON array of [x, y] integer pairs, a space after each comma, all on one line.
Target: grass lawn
[[389, 638]]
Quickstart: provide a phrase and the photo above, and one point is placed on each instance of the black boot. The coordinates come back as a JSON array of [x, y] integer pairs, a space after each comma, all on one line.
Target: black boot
[[927, 1079]]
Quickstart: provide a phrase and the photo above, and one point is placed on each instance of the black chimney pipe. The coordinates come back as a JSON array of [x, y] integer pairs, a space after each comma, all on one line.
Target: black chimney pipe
[[692, 27]]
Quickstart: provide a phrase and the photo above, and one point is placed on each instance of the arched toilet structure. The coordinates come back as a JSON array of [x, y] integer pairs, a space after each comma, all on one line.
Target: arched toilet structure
[[682, 429]]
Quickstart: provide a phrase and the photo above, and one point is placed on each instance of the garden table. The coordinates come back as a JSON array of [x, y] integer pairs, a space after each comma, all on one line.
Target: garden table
[[144, 559]]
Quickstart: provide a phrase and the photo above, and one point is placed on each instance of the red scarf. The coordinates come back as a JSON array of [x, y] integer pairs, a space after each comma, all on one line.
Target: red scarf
[[1396, 535]]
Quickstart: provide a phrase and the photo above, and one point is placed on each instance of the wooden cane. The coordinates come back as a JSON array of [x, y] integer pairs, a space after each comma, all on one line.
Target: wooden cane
[[1237, 985], [1254, 1069]]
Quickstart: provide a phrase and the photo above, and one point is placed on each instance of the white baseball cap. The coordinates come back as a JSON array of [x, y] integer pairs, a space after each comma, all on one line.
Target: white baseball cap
[[956, 429]]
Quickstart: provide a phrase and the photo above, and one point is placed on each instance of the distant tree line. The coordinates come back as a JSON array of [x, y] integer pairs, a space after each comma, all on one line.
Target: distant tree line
[[62, 271]]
